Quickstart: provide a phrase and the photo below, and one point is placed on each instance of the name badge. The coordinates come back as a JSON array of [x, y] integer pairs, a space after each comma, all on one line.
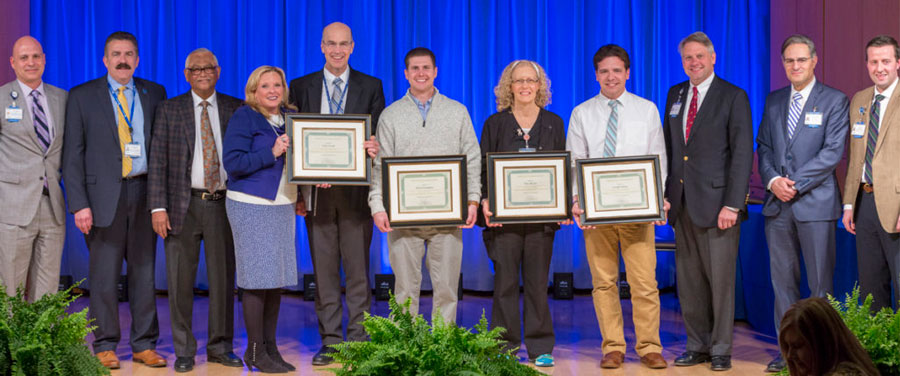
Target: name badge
[[13, 114], [676, 108], [813, 119], [133, 150], [859, 129]]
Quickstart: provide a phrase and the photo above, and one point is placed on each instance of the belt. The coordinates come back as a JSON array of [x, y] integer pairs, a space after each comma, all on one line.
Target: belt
[[206, 195], [866, 187], [136, 177]]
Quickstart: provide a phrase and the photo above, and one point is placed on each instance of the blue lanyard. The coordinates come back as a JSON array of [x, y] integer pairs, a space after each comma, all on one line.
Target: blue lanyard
[[331, 104], [122, 110]]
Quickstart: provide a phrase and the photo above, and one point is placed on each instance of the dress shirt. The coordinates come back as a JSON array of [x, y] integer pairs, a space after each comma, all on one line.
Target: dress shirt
[[26, 92], [329, 82], [138, 165], [804, 95], [197, 173], [639, 129], [423, 107], [702, 89], [881, 108]]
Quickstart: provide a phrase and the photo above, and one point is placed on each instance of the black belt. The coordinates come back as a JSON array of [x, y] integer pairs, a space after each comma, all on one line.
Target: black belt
[[206, 195], [136, 177]]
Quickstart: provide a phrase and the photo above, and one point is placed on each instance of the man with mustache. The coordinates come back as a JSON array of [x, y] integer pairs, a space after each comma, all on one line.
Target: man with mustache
[[109, 122]]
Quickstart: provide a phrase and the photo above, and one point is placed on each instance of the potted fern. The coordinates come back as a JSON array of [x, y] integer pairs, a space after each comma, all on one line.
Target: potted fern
[[878, 333]]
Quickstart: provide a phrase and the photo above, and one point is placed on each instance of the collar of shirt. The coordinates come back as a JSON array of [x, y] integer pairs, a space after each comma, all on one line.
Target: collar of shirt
[[423, 108], [703, 87], [26, 90], [329, 77], [197, 99], [623, 100], [804, 92], [887, 93], [115, 84]]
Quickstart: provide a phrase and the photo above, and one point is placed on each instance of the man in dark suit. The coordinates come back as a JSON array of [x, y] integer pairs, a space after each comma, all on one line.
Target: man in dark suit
[[340, 227], [709, 141], [186, 185], [801, 140], [108, 128]]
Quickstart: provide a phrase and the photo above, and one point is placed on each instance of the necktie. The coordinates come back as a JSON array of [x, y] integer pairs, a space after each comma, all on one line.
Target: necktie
[[336, 96], [40, 121], [872, 138], [692, 113], [124, 131], [612, 128], [210, 154], [794, 115]]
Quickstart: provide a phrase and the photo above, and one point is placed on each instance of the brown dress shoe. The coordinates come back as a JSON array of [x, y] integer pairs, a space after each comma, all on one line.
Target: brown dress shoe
[[108, 359], [654, 360], [150, 357], [612, 360]]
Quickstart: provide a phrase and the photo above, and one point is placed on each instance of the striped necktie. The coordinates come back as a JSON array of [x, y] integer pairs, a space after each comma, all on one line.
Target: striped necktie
[[612, 129], [40, 121], [794, 114], [872, 138], [124, 131], [336, 96]]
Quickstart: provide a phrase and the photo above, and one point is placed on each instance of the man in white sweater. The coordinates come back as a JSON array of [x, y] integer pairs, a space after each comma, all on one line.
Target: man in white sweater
[[424, 122]]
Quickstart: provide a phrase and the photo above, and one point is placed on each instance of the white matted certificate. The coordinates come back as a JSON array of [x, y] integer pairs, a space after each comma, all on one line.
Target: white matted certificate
[[328, 149], [425, 191], [528, 187], [620, 190]]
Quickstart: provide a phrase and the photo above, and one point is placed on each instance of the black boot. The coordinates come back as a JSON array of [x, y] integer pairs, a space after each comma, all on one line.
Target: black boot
[[256, 356], [271, 306], [272, 350]]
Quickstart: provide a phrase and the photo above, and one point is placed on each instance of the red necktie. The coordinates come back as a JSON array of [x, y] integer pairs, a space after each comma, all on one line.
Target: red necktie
[[692, 113]]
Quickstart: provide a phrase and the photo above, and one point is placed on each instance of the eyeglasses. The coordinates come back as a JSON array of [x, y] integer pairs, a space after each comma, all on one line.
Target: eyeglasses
[[801, 60], [345, 45], [196, 71], [523, 81]]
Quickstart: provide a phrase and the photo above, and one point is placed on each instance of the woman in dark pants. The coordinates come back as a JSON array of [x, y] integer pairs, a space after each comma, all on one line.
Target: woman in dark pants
[[522, 122]]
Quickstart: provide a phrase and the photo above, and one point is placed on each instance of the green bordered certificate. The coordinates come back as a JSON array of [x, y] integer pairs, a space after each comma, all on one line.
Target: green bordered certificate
[[328, 149], [425, 191], [528, 187], [620, 190]]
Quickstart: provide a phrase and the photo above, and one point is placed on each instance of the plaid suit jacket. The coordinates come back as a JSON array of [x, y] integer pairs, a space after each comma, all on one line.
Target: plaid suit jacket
[[174, 130]]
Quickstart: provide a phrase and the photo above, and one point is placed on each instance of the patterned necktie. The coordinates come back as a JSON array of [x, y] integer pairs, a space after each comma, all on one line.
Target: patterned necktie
[[692, 113], [124, 131], [336, 95], [210, 154], [612, 128], [872, 138], [794, 114], [40, 121]]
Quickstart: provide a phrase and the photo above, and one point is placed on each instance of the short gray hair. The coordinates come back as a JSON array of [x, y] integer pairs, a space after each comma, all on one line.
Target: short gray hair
[[799, 39], [200, 50], [699, 37]]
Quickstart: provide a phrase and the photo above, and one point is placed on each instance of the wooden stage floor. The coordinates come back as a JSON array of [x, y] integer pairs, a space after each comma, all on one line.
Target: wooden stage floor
[[577, 349]]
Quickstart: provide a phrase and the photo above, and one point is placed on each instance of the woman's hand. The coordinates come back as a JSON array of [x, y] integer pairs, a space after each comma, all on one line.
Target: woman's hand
[[280, 146]]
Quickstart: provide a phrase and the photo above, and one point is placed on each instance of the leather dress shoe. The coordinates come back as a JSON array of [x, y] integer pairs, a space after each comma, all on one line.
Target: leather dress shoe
[[108, 359], [691, 358], [184, 363], [721, 363], [322, 358], [654, 360], [776, 365], [150, 358], [226, 359], [612, 359]]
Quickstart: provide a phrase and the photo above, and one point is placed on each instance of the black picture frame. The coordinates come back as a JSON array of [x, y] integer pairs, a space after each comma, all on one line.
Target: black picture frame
[[297, 123], [647, 164], [560, 209], [424, 165]]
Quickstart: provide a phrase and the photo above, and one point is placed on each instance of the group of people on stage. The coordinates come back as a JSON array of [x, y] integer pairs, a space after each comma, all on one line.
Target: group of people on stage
[[208, 167]]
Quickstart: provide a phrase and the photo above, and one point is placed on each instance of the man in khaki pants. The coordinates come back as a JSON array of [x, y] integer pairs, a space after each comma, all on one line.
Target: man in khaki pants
[[617, 123]]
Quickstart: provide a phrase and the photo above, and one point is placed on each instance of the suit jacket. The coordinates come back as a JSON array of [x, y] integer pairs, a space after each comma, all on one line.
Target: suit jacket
[[169, 168], [247, 155], [885, 173], [364, 96], [809, 158], [23, 163], [92, 157], [713, 168]]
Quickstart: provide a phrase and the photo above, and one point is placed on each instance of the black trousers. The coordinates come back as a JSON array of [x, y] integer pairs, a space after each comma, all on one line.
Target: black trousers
[[877, 255], [528, 248], [205, 221], [129, 237]]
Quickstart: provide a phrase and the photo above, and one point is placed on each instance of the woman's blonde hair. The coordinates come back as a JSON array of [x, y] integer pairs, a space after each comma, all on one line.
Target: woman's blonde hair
[[253, 84], [503, 90]]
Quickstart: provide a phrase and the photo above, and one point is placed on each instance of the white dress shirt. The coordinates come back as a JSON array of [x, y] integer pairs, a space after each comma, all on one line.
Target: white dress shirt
[[702, 89], [329, 90]]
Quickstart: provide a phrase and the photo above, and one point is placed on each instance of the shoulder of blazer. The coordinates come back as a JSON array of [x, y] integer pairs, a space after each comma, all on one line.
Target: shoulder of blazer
[[226, 100], [313, 78], [550, 118], [363, 79], [90, 87], [151, 87]]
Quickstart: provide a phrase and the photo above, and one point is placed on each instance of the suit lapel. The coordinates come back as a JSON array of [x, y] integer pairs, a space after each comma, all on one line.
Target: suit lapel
[[223, 121], [145, 106], [314, 93], [354, 91], [710, 103], [55, 110], [185, 113], [27, 122], [889, 117], [678, 121], [808, 107], [106, 107]]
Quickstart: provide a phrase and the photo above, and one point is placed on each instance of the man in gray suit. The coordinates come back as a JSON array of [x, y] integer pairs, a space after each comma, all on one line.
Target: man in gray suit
[[800, 142], [32, 208]]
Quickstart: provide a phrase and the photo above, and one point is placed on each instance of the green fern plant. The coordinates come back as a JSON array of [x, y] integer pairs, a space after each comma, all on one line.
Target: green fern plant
[[879, 334], [405, 345], [41, 338]]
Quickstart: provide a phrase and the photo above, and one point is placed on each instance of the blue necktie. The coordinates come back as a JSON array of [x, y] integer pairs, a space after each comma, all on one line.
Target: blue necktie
[[794, 115], [612, 128]]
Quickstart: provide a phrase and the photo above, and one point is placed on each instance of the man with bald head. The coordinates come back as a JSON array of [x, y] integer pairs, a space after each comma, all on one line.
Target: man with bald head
[[340, 227], [186, 192], [33, 210]]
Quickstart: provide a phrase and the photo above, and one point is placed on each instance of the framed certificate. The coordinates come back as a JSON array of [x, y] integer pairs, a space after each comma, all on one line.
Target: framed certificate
[[328, 149], [425, 191], [620, 190], [528, 187]]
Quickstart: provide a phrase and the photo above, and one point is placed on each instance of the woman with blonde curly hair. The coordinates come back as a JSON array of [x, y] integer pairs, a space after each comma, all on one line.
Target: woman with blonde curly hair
[[521, 124]]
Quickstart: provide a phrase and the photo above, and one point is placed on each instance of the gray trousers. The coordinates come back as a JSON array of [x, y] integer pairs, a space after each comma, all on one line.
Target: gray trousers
[[340, 236], [877, 255], [130, 237], [705, 263], [205, 221], [791, 241], [30, 255], [444, 259]]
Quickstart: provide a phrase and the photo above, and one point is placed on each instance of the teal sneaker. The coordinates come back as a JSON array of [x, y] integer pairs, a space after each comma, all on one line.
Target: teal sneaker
[[545, 360]]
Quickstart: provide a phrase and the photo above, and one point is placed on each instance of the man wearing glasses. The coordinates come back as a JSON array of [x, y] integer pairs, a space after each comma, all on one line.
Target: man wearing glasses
[[186, 195]]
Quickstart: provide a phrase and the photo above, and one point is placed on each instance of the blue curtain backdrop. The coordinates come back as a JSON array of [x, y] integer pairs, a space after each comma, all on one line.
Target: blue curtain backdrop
[[473, 41]]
